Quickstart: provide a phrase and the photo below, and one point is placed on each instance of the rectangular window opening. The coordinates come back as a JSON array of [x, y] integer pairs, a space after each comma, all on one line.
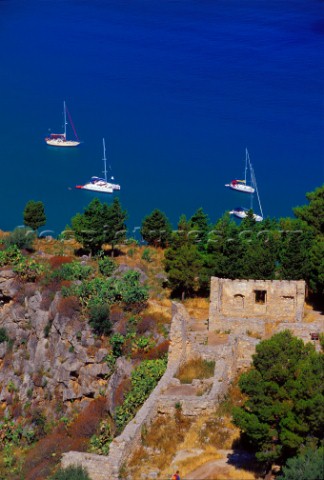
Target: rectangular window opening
[[260, 296]]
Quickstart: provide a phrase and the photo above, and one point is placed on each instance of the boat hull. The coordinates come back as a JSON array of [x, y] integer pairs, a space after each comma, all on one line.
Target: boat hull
[[61, 143], [242, 214], [97, 188], [241, 188]]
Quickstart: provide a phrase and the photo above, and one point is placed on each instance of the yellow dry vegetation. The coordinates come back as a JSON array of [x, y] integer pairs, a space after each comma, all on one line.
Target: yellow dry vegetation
[[159, 306], [197, 307], [270, 329], [195, 368], [309, 314], [175, 441], [191, 463]]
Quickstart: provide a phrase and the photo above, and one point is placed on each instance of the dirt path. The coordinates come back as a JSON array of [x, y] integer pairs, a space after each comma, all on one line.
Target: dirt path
[[229, 467]]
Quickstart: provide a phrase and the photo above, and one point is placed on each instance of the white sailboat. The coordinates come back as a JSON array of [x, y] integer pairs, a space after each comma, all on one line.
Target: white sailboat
[[59, 139], [101, 185], [241, 212], [241, 185]]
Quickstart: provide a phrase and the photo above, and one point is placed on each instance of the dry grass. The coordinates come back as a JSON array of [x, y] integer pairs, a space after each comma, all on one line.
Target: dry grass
[[162, 439], [175, 442], [160, 310], [310, 315], [197, 307], [192, 462], [270, 329], [253, 334], [196, 369], [51, 246]]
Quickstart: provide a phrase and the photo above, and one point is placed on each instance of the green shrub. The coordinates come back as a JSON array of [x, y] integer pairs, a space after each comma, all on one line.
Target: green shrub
[[72, 271], [3, 335], [106, 266], [100, 443], [11, 256], [130, 288], [131, 241], [144, 378], [28, 269], [47, 328], [147, 255], [99, 318], [143, 343], [117, 341], [22, 238], [98, 290], [71, 473]]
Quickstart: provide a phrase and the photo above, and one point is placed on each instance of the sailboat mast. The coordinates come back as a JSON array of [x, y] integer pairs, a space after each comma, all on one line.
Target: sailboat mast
[[256, 188], [246, 163], [104, 159], [65, 122]]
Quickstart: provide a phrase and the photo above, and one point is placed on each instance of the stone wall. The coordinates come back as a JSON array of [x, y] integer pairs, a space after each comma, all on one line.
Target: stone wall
[[231, 356], [122, 446], [233, 301]]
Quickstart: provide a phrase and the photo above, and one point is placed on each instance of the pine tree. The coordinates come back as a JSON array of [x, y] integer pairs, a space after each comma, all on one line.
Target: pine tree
[[115, 227], [156, 229], [182, 265], [295, 242], [284, 404], [313, 213], [34, 215], [199, 228], [100, 223]]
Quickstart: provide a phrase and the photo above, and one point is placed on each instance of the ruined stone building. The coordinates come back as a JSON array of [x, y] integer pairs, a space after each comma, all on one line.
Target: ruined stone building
[[252, 304]]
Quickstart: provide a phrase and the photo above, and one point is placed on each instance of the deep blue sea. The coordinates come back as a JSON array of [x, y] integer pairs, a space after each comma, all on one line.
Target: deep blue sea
[[178, 88]]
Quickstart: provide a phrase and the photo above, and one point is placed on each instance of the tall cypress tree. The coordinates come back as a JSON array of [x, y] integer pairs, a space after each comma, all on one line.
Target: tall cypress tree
[[115, 227], [199, 228]]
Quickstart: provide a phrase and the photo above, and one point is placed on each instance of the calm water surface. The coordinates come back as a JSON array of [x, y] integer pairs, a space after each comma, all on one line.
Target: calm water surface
[[178, 88]]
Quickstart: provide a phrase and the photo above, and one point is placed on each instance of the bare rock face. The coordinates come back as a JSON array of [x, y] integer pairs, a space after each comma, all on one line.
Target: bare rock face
[[122, 372], [8, 286], [48, 355]]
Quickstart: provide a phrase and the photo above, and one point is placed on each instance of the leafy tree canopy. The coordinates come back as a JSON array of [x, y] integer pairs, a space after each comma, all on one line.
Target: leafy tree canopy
[[115, 227], [313, 213], [156, 229], [34, 214], [285, 398], [295, 241], [315, 274], [100, 223], [199, 228], [182, 265], [309, 465]]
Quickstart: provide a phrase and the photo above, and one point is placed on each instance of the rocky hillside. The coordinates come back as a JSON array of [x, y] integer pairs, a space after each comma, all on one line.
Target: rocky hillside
[[54, 362]]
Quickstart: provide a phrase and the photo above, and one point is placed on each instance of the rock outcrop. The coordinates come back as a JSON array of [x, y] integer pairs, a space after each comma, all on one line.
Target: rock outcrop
[[49, 356]]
